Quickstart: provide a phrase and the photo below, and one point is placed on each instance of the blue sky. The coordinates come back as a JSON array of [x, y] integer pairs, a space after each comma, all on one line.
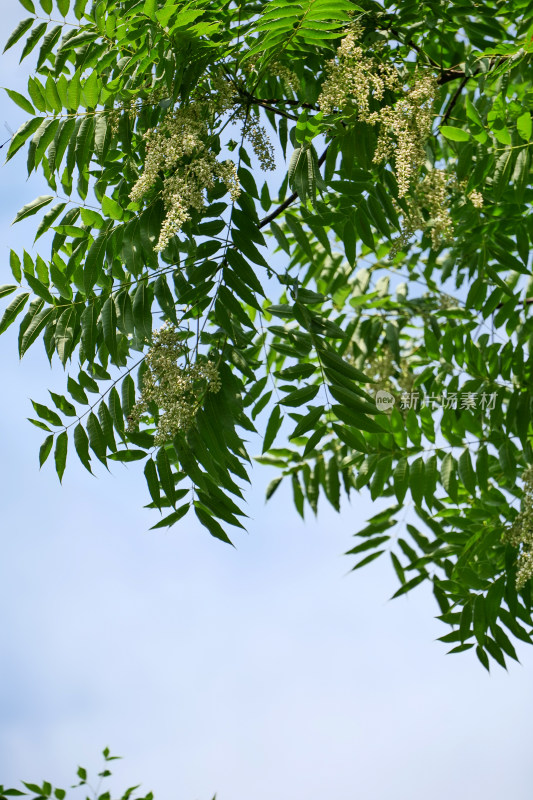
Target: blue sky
[[265, 671]]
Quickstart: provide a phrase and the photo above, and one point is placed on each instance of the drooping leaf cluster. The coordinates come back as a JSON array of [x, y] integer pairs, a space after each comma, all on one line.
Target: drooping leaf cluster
[[424, 297], [45, 791]]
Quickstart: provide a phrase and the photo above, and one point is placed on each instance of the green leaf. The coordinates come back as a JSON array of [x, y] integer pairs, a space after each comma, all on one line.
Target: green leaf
[[77, 392], [47, 414], [91, 90], [111, 208], [23, 133], [166, 477], [401, 479], [152, 480], [334, 361], [81, 443], [15, 264], [63, 404], [171, 519], [13, 310], [209, 522], [47, 46], [37, 324], [60, 454], [273, 486], [352, 400], [454, 134], [466, 472], [524, 125], [19, 32], [307, 422], [300, 396], [96, 438], [44, 452], [448, 475], [125, 456], [33, 207], [36, 34], [109, 327], [20, 100], [247, 248], [128, 395], [409, 585], [480, 626], [149, 8], [94, 261], [115, 409], [48, 219], [368, 559], [274, 424], [142, 314]]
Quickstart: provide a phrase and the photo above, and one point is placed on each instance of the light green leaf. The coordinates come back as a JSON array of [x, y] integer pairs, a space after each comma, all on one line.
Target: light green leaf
[[454, 134], [33, 207], [36, 34], [20, 100], [524, 125], [13, 310], [19, 32]]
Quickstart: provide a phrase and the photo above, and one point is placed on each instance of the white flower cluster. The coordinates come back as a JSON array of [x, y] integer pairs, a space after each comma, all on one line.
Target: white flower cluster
[[476, 198], [520, 534], [383, 370], [286, 74], [176, 390], [258, 138], [354, 78], [178, 146], [405, 128], [434, 193]]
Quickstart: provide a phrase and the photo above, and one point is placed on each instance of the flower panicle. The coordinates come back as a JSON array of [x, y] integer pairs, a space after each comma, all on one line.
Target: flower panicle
[[520, 534], [177, 390]]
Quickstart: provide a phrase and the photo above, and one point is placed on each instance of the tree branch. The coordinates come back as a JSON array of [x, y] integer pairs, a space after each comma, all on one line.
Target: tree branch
[[454, 99], [290, 103], [272, 108]]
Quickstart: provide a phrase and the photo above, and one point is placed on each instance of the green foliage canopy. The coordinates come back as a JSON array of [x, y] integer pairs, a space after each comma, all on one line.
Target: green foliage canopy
[[403, 228]]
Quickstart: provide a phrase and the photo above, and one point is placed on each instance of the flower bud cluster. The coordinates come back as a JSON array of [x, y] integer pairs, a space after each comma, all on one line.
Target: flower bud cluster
[[434, 194], [286, 74], [354, 78], [176, 390], [258, 138], [520, 534], [178, 146], [382, 369], [476, 198], [405, 128]]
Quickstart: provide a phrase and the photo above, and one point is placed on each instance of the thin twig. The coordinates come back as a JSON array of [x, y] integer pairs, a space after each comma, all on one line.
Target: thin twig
[[454, 99]]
